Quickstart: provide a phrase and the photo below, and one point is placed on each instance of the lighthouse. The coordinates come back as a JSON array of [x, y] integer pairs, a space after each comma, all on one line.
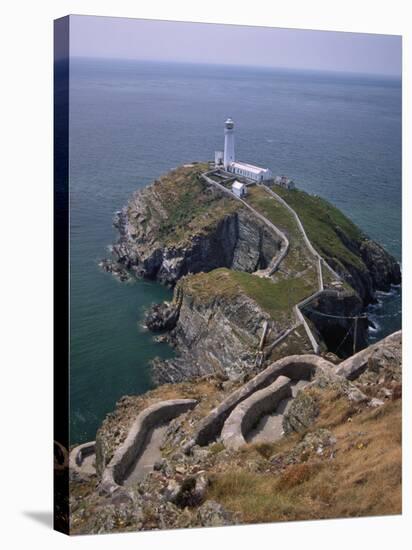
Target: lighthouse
[[229, 151], [226, 160]]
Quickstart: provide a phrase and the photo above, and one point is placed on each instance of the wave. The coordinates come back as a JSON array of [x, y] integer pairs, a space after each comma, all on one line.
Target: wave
[[374, 327], [392, 292], [377, 305]]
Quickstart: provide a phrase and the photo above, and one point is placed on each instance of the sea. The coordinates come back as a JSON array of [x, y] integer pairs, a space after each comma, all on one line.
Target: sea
[[336, 135]]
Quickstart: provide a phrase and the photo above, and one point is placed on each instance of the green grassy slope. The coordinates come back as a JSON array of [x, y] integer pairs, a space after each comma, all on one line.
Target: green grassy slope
[[326, 226]]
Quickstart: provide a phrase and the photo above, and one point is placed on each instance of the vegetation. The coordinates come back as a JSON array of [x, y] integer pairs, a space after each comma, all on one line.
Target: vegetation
[[360, 475], [274, 211], [185, 205], [326, 226], [272, 297], [299, 260]]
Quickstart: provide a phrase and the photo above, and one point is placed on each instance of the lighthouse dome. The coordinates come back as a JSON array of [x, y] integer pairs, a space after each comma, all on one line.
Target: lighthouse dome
[[229, 124]]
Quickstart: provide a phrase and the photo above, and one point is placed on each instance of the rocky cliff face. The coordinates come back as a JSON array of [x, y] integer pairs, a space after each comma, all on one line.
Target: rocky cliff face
[[237, 241], [349, 442], [375, 270], [332, 319], [219, 339], [179, 226], [210, 231], [383, 269]]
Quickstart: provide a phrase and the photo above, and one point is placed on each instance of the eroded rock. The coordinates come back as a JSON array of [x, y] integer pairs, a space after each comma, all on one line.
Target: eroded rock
[[190, 492], [302, 412]]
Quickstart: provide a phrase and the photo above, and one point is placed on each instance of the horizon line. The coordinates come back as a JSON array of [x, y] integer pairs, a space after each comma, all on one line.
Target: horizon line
[[397, 76]]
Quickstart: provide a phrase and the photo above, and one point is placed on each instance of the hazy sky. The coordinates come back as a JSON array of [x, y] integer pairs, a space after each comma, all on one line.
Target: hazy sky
[[235, 45]]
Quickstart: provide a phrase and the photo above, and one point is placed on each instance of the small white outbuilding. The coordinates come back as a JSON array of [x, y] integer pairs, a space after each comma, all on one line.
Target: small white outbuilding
[[218, 158], [239, 189]]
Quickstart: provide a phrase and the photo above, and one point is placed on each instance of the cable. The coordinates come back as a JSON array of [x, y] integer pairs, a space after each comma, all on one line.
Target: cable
[[386, 316], [344, 338], [361, 316]]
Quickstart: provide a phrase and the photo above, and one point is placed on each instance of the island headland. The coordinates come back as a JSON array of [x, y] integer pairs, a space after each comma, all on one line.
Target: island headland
[[275, 407], [258, 277]]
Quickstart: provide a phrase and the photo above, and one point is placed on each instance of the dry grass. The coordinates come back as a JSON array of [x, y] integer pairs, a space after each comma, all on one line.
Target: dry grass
[[359, 476], [115, 426]]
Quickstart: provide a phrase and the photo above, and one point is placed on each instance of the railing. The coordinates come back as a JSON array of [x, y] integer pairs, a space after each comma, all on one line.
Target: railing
[[302, 229], [283, 250], [279, 258]]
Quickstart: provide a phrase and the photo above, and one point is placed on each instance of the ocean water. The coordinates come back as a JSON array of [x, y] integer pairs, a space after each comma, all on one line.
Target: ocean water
[[336, 135]]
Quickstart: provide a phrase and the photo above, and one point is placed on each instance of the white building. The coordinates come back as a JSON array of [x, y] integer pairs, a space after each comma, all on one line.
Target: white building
[[227, 159], [255, 173], [229, 150], [239, 189], [285, 182]]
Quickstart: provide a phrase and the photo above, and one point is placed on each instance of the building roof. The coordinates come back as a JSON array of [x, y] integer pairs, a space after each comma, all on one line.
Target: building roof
[[238, 185], [249, 167]]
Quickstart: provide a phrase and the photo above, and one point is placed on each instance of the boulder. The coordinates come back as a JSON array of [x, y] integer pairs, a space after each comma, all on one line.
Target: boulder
[[302, 412], [162, 317], [212, 514], [190, 492], [316, 442]]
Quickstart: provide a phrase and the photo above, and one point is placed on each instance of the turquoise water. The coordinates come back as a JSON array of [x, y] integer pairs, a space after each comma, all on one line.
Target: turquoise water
[[336, 135]]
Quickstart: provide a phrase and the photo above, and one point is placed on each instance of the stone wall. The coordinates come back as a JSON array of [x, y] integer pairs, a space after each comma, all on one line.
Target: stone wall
[[295, 367], [358, 363], [128, 452], [248, 412], [77, 459]]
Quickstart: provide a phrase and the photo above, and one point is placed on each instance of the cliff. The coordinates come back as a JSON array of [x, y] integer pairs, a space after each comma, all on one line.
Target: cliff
[[179, 225], [340, 456], [240, 328], [363, 263], [181, 230], [220, 323]]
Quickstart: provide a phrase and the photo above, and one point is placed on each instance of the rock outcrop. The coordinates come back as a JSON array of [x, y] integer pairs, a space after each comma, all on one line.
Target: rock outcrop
[[301, 414], [376, 270], [211, 232], [219, 338], [179, 228], [336, 420]]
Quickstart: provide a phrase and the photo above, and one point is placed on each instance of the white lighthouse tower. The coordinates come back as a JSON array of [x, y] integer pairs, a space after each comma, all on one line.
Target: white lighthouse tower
[[243, 170], [229, 151]]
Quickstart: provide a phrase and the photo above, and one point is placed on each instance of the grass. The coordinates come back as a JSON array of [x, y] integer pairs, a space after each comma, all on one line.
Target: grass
[[299, 260], [274, 211], [273, 297], [184, 205], [360, 477], [326, 226]]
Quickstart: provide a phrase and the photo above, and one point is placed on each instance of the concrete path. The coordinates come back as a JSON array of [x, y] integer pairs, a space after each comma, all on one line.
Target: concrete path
[[269, 428], [148, 457], [308, 243], [88, 465], [276, 261]]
